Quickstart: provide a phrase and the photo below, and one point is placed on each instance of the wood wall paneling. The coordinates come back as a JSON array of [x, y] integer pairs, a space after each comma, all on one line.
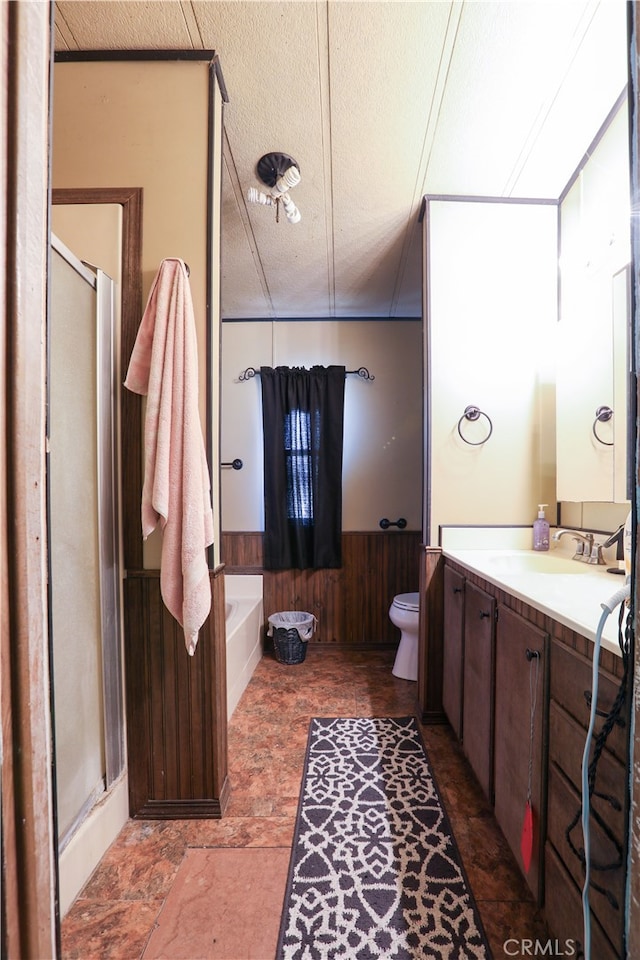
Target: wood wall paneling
[[176, 731], [352, 602]]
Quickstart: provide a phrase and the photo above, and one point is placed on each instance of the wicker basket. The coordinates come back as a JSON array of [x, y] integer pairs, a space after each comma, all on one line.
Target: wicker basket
[[287, 645]]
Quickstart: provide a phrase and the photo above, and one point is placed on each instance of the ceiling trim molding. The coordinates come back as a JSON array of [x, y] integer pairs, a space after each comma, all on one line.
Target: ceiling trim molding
[[321, 319], [596, 140], [462, 198], [96, 56]]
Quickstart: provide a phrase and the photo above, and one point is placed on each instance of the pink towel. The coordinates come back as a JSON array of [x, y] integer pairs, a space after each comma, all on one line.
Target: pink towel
[[177, 489]]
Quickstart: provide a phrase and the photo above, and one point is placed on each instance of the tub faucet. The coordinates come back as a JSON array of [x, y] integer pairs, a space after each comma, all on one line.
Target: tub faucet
[[587, 549]]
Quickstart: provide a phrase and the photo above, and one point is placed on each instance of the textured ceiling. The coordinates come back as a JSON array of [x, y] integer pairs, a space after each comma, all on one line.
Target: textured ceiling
[[380, 103]]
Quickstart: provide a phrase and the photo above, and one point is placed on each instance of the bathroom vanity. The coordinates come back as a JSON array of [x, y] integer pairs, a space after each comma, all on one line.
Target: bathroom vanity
[[517, 678]]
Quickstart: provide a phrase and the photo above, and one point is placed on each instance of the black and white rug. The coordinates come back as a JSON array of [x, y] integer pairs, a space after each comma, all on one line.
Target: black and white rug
[[375, 871]]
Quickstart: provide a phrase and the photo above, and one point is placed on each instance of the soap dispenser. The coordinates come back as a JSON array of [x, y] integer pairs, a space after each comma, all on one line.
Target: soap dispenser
[[541, 530]]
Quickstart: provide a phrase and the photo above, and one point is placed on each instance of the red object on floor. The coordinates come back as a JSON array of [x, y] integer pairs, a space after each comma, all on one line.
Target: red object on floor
[[526, 840]]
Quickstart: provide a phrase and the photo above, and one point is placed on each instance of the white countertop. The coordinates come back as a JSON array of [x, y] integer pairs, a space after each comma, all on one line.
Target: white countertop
[[569, 591]]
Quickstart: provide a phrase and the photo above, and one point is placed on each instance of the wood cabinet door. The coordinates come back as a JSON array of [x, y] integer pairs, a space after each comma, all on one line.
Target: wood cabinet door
[[477, 712], [453, 652], [521, 657]]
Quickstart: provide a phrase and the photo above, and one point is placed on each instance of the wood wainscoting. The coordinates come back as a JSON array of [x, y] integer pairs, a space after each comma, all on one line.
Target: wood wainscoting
[[352, 602], [176, 706]]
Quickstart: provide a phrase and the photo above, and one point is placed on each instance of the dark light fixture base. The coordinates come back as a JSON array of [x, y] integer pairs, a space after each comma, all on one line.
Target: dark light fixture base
[[272, 166]]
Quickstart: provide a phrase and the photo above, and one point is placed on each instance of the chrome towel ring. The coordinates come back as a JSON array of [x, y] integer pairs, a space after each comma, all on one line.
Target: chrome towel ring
[[603, 415], [474, 413]]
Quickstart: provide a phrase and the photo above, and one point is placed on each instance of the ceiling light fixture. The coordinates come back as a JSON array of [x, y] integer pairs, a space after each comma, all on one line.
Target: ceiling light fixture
[[280, 172]]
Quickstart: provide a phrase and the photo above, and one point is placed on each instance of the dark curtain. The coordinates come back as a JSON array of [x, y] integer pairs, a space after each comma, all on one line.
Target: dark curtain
[[303, 419]]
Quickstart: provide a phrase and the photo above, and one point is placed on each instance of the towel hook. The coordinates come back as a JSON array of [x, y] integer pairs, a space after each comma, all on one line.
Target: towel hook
[[603, 415], [472, 413]]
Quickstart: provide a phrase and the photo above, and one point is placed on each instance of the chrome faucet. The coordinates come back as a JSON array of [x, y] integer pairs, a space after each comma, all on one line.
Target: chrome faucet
[[587, 549]]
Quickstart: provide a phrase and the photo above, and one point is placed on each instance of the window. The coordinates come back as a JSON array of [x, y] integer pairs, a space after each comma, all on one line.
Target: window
[[303, 413], [298, 446]]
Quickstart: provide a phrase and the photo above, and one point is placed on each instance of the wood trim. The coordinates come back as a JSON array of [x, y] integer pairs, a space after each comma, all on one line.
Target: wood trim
[[430, 664], [185, 809], [9, 928], [217, 638], [176, 706], [114, 56], [130, 198], [29, 911], [633, 917], [453, 649]]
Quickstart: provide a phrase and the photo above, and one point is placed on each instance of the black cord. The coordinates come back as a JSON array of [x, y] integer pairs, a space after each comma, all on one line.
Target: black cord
[[625, 640]]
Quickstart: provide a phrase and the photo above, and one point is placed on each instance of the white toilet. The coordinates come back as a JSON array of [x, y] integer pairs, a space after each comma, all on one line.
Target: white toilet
[[403, 614]]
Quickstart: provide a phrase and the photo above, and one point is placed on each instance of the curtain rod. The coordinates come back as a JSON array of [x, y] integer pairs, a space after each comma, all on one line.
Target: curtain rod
[[251, 372]]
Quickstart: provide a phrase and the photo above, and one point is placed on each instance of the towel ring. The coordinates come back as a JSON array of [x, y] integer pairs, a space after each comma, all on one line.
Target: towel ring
[[603, 415], [474, 413]]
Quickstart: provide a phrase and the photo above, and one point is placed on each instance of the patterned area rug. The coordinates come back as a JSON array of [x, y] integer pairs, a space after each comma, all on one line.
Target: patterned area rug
[[375, 871]]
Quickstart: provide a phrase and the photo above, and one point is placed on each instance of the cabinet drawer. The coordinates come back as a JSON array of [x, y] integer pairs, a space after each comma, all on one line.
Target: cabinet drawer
[[563, 912], [571, 676], [563, 804], [566, 746]]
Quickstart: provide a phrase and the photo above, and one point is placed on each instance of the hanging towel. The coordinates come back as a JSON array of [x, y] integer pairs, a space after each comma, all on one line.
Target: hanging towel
[[177, 489]]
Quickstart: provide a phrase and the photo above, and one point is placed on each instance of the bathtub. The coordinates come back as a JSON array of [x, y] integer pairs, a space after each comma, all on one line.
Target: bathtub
[[244, 633]]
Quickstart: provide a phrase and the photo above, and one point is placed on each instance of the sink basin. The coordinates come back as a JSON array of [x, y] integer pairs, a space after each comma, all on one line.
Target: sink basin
[[520, 562], [569, 591]]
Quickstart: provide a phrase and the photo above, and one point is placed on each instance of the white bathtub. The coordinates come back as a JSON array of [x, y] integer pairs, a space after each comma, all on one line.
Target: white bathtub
[[245, 629]]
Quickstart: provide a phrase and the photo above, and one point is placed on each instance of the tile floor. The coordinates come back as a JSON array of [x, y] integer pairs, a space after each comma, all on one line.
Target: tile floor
[[213, 889]]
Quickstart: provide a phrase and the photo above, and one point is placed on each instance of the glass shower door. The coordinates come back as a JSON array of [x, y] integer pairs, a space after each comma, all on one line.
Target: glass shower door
[[84, 606]]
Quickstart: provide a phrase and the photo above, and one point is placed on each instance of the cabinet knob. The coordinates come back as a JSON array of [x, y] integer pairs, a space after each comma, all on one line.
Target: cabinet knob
[[484, 614], [457, 589]]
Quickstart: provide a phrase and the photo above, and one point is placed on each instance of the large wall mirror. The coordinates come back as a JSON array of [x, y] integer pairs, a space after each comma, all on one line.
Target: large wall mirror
[[593, 369]]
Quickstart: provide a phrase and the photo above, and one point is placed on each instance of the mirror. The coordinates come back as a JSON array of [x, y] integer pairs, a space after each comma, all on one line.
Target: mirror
[[593, 354]]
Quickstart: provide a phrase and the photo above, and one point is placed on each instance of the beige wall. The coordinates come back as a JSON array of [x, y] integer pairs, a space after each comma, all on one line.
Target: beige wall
[[382, 469], [143, 124], [492, 308]]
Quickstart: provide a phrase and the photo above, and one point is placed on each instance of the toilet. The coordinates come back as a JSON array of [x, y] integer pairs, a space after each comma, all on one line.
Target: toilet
[[403, 614]]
